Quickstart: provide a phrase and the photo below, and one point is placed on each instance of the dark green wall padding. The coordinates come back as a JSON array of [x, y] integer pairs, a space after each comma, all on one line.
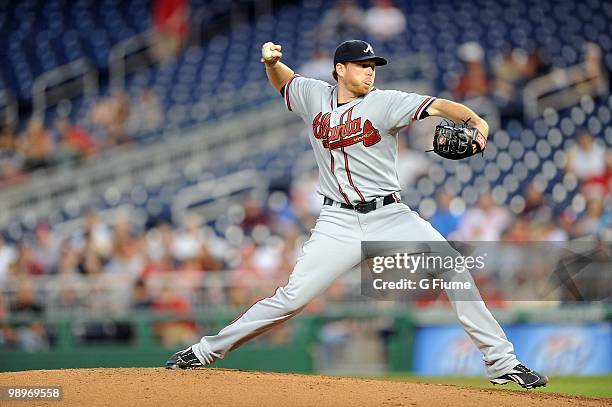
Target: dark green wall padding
[[296, 356]]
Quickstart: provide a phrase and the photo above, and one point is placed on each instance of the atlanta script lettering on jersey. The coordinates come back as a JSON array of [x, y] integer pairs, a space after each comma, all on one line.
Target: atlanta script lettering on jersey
[[347, 133]]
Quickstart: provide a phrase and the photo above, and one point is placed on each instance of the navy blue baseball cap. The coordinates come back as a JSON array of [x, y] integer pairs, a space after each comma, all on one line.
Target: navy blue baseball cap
[[356, 50]]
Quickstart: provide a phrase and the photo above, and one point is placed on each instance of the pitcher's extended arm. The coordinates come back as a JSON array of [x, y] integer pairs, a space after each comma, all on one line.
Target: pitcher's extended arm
[[278, 73]]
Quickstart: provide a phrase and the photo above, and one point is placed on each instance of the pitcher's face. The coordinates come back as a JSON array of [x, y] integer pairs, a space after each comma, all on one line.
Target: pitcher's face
[[357, 77]]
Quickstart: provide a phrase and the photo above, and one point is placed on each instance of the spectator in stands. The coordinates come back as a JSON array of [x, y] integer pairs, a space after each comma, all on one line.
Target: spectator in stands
[[117, 130], [146, 113], [127, 258], [108, 117], [443, 219], [45, 248], [25, 264], [517, 231], [174, 332], [8, 255], [246, 276], [36, 145], [536, 210], [11, 161], [8, 336], [254, 214], [318, 67], [89, 261], [25, 302], [70, 296], [31, 335], [101, 115], [549, 232], [605, 181], [170, 27], [538, 217], [3, 309], [508, 68], [537, 64], [342, 22], [592, 222], [474, 80], [586, 159], [159, 242], [412, 163], [97, 235], [512, 70], [189, 247], [594, 71], [68, 261], [508, 71], [188, 242], [486, 221], [305, 201], [384, 21], [76, 143], [141, 299]]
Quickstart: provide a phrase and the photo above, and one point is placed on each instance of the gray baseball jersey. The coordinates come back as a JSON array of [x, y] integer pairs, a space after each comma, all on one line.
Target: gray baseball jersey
[[355, 144], [355, 147]]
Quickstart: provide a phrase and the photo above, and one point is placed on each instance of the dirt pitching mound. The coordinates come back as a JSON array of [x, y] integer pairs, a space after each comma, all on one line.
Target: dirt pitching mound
[[222, 387]]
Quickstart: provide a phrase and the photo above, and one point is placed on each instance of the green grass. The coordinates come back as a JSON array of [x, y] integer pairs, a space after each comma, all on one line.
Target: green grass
[[591, 386]]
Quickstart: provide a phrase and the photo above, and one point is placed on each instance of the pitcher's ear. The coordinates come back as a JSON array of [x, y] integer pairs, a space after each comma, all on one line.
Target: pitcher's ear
[[340, 69]]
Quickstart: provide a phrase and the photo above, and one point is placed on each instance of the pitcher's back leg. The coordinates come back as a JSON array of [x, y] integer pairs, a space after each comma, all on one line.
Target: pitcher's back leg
[[333, 248]]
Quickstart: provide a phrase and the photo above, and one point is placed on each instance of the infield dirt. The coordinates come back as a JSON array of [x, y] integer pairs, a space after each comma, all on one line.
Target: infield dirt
[[222, 387]]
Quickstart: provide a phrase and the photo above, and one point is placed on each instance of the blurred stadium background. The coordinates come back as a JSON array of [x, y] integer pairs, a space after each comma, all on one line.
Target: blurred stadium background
[[152, 185]]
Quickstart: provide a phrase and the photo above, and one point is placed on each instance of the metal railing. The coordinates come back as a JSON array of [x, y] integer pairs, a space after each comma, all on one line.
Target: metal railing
[[209, 146], [46, 193], [563, 88], [110, 295], [76, 78], [129, 55], [8, 105]]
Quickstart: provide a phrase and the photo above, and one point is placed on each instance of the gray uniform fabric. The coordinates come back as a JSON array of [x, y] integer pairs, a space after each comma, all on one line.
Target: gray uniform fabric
[[355, 146]]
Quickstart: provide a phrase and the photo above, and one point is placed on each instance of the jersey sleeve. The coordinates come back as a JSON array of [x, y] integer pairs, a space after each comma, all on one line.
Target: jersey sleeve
[[300, 91], [404, 108]]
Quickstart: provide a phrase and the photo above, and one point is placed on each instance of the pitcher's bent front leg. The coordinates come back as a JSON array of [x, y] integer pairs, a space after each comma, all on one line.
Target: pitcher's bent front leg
[[398, 223]]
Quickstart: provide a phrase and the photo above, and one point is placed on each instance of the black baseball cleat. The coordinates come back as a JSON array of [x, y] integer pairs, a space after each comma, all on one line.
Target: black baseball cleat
[[184, 359], [523, 376]]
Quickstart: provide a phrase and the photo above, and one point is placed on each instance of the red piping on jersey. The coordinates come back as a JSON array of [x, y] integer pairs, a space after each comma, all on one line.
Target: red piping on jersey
[[253, 304], [346, 164], [287, 102], [265, 328], [418, 112], [262, 329], [348, 173], [346, 199]]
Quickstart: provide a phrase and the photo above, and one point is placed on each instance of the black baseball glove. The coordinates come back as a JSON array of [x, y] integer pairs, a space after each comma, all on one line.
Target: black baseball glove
[[457, 142]]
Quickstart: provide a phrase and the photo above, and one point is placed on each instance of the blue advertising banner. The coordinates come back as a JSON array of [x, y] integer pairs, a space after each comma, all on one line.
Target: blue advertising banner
[[551, 349]]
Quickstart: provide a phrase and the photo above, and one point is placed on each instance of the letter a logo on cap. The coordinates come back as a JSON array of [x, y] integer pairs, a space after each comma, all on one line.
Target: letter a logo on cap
[[368, 49]]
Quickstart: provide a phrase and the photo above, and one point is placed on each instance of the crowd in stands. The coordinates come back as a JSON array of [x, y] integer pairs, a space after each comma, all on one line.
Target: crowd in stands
[[141, 261], [538, 219], [112, 122], [115, 119], [260, 250]]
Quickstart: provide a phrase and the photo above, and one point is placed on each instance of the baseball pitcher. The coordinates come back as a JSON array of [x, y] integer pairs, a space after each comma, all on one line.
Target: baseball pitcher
[[353, 129]]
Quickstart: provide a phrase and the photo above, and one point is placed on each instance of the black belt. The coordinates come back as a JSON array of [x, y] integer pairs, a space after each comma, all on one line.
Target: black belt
[[363, 207]]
